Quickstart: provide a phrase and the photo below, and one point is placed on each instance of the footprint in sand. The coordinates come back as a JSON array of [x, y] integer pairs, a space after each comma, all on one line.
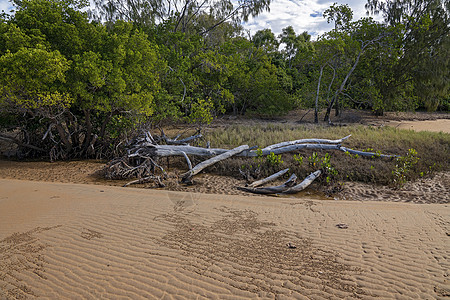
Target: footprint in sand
[[90, 234]]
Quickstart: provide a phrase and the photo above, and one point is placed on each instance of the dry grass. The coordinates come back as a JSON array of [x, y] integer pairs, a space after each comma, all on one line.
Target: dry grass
[[433, 149]]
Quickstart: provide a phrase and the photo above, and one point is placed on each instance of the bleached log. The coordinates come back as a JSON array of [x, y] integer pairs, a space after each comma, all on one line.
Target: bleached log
[[297, 147], [177, 150], [304, 184], [303, 141], [188, 161], [172, 150], [268, 179], [186, 177], [271, 189], [370, 154]]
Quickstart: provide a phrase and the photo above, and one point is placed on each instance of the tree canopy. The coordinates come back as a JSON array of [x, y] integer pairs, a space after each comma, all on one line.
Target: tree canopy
[[74, 82]]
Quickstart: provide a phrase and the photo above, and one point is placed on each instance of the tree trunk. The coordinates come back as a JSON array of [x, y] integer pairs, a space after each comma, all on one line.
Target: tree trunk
[[88, 134], [337, 111], [63, 135], [316, 109], [341, 88]]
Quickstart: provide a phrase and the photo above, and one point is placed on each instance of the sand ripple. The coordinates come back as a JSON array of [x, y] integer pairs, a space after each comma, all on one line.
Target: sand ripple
[[94, 242]]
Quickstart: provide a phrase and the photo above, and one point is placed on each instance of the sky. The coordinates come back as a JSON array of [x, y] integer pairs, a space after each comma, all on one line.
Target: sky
[[5, 5], [302, 15]]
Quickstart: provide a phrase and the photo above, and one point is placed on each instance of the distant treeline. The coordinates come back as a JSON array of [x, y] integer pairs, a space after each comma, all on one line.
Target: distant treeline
[[74, 79]]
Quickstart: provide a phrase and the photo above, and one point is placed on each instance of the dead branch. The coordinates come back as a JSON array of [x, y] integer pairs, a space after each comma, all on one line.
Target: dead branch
[[270, 190], [19, 143], [304, 184], [303, 141], [186, 177], [188, 161], [268, 179], [369, 154]]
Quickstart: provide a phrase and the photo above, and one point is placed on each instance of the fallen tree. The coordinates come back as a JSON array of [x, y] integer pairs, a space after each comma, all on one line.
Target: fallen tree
[[186, 178], [144, 152], [272, 189], [286, 188]]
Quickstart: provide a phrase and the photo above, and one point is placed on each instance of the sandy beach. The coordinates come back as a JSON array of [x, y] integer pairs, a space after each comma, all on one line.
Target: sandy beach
[[67, 233], [64, 241]]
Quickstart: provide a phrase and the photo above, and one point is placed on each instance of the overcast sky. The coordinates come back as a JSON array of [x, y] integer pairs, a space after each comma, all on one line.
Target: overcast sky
[[4, 5], [302, 15]]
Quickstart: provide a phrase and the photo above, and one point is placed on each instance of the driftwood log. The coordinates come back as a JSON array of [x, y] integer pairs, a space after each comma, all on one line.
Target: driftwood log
[[186, 177], [268, 179], [272, 189], [286, 188], [175, 150], [144, 152], [304, 184]]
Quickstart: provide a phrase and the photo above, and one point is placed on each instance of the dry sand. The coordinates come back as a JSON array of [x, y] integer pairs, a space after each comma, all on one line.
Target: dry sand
[[441, 125], [73, 241], [70, 241]]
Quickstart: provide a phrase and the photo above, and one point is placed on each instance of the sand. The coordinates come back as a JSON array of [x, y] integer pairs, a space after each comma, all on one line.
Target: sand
[[78, 236], [425, 190], [440, 125], [73, 241]]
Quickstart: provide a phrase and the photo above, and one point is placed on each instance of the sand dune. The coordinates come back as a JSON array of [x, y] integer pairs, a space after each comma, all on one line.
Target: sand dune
[[74, 241]]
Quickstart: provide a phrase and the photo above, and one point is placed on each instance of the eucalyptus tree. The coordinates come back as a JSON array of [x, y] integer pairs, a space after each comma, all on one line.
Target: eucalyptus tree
[[266, 40], [423, 28], [338, 54], [182, 12], [341, 15]]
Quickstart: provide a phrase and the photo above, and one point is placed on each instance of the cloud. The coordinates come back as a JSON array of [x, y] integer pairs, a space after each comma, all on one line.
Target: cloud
[[5, 6], [302, 15]]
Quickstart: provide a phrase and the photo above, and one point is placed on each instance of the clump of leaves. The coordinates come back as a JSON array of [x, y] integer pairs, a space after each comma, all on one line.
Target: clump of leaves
[[313, 160], [299, 159], [403, 166], [329, 172], [274, 160]]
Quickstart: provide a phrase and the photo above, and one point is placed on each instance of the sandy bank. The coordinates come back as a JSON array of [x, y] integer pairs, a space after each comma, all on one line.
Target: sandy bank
[[72, 241], [441, 125]]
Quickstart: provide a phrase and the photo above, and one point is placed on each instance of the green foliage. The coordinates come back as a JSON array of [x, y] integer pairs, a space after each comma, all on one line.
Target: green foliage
[[419, 61], [87, 84], [403, 166], [274, 160], [31, 78], [313, 160], [329, 172], [340, 14], [201, 112], [298, 159]]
